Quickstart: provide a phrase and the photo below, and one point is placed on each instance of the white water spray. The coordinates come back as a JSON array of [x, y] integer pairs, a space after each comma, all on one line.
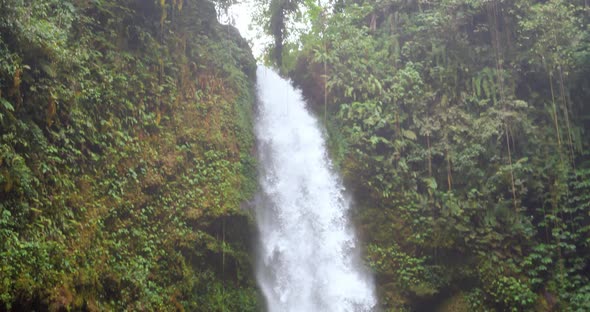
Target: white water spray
[[308, 261]]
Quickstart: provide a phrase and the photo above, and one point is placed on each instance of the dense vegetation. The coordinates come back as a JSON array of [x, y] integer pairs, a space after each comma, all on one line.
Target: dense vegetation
[[126, 140], [125, 157], [460, 126]]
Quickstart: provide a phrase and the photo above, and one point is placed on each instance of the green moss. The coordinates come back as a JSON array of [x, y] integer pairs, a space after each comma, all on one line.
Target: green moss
[[456, 303], [125, 149]]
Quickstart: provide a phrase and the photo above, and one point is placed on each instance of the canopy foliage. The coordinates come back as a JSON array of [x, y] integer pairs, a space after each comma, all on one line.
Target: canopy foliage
[[461, 127]]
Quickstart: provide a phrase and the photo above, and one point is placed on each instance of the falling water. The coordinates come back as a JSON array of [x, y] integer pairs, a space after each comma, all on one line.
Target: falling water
[[308, 261]]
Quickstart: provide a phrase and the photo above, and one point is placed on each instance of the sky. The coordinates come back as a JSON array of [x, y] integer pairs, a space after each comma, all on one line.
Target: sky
[[240, 16]]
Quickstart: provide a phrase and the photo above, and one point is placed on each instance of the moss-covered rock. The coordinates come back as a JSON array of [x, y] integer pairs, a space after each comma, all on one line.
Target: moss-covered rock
[[125, 155]]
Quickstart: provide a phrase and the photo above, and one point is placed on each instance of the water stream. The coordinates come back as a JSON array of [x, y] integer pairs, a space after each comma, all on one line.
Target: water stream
[[308, 260]]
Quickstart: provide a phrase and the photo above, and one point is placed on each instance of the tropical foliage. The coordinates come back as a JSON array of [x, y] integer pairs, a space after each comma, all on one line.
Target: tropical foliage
[[460, 126], [125, 157]]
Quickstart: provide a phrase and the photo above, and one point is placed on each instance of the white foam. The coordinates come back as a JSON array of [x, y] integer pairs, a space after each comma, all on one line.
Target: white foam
[[307, 256]]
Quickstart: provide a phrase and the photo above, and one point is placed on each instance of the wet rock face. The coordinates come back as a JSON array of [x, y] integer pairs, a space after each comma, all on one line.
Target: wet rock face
[[125, 157], [207, 15]]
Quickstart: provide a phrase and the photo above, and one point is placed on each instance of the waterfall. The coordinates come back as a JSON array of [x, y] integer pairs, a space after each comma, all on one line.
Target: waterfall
[[307, 259]]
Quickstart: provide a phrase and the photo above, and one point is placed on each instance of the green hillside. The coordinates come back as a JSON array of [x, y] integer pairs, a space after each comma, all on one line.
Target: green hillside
[[462, 128], [125, 157]]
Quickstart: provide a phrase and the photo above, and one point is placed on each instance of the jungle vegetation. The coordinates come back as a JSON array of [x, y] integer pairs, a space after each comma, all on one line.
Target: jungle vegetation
[[460, 126], [125, 157]]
